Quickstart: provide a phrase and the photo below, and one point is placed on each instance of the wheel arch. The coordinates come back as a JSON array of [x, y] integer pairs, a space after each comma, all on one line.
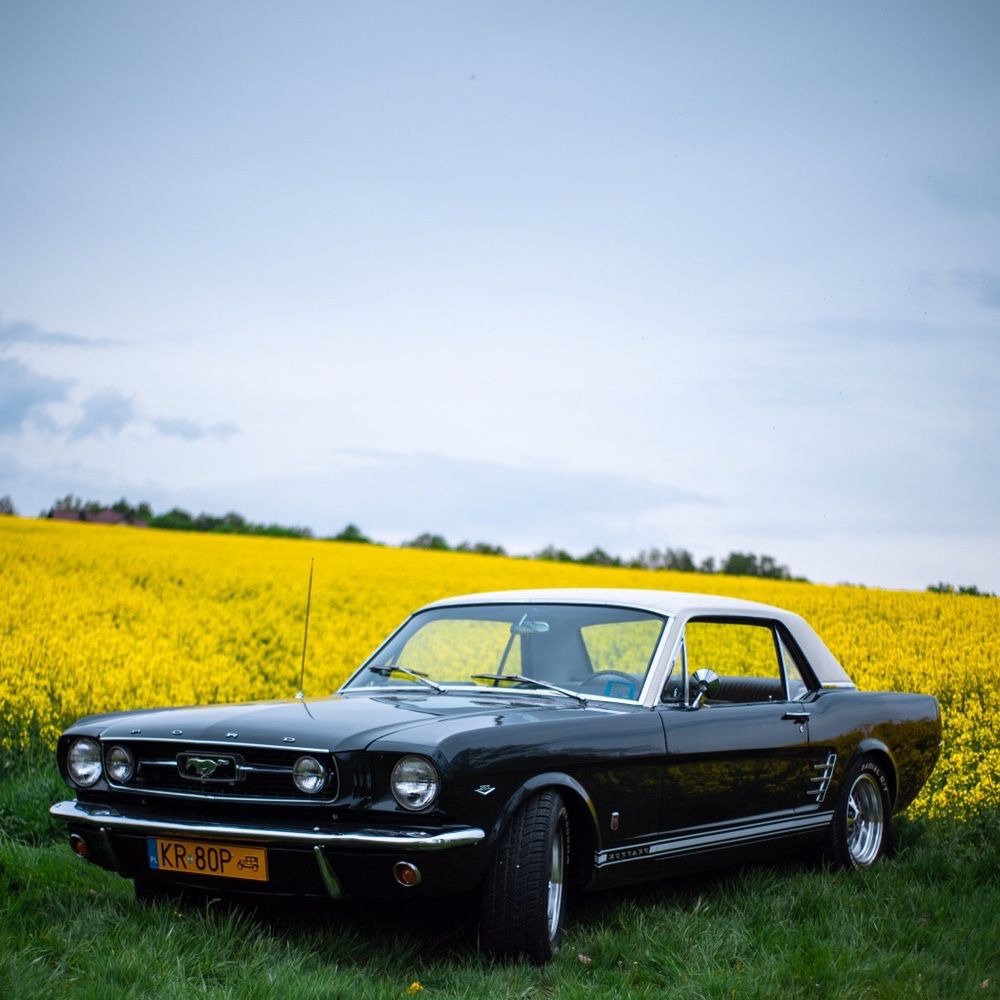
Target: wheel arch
[[584, 838], [872, 747]]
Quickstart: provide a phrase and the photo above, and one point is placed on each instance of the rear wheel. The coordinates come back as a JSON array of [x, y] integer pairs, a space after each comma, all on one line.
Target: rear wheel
[[861, 830], [524, 896]]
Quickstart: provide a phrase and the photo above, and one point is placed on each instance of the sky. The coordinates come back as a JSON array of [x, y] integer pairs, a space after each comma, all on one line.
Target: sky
[[717, 276]]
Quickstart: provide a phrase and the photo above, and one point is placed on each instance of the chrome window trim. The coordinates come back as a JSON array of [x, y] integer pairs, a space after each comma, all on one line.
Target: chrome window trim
[[673, 638], [642, 699], [759, 620], [646, 695]]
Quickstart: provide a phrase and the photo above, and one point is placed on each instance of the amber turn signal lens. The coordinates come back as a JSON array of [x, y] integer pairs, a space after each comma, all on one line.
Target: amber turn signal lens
[[406, 874]]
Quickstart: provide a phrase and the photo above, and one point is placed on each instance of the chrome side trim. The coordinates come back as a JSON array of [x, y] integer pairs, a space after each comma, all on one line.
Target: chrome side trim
[[333, 888], [397, 838], [695, 840]]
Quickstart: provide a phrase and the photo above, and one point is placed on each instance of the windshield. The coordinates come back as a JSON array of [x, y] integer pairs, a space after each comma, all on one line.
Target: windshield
[[588, 650]]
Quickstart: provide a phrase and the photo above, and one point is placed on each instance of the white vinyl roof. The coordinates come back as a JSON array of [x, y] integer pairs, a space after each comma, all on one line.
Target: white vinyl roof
[[674, 604], [668, 602]]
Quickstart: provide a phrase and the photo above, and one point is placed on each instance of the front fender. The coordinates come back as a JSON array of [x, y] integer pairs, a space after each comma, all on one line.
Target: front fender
[[580, 799], [584, 832]]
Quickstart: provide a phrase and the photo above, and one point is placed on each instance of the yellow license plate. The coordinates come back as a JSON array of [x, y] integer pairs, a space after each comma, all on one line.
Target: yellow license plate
[[195, 857]]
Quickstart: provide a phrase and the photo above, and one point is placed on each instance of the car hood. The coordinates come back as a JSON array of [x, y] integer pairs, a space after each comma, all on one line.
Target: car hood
[[338, 723]]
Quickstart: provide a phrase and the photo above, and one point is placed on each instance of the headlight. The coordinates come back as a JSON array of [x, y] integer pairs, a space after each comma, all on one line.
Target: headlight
[[84, 761], [415, 782], [120, 764], [308, 774]]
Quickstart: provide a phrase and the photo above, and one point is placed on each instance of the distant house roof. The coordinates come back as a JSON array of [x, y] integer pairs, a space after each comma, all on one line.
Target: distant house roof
[[107, 517], [66, 515]]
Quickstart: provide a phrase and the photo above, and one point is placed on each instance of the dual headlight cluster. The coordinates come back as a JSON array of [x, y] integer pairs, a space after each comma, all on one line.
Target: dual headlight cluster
[[83, 763], [415, 781]]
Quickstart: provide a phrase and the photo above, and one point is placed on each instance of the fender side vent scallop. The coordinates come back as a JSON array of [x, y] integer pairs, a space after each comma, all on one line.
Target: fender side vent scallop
[[823, 779]]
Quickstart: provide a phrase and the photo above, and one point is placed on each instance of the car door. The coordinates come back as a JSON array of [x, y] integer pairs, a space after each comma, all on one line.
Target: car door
[[739, 764]]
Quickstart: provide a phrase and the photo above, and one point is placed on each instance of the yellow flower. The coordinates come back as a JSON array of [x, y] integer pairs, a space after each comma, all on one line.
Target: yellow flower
[[96, 618]]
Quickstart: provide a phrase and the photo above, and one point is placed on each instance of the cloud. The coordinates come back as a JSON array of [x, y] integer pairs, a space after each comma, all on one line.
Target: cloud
[[523, 507], [191, 430], [28, 333], [985, 284], [24, 394], [106, 411]]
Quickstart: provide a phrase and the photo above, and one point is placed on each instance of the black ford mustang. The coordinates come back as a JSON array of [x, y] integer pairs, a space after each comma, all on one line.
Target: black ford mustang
[[514, 745]]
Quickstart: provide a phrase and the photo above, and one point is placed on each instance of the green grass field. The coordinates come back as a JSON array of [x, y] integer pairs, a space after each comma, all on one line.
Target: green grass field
[[924, 924]]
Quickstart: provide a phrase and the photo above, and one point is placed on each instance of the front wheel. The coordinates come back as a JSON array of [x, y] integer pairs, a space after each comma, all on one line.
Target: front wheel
[[524, 896], [861, 831]]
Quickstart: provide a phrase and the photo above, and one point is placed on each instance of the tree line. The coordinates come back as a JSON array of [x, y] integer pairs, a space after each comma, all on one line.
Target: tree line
[[735, 564], [176, 519], [679, 559]]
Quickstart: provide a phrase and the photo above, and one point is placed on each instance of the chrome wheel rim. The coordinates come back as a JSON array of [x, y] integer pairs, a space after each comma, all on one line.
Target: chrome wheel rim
[[557, 866], [865, 820]]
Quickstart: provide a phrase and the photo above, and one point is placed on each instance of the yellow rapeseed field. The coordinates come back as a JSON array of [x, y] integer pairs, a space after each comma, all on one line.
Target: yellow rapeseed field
[[96, 618]]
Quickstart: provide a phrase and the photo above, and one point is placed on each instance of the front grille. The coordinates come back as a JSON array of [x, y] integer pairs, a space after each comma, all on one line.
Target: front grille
[[237, 773]]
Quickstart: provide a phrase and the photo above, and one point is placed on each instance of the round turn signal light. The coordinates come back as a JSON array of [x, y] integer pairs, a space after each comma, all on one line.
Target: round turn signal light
[[406, 874]]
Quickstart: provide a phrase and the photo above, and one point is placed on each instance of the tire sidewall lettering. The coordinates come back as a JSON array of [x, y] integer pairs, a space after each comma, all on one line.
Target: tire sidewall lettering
[[871, 767]]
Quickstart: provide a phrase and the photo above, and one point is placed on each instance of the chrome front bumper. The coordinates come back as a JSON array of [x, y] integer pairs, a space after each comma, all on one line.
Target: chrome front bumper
[[105, 818]]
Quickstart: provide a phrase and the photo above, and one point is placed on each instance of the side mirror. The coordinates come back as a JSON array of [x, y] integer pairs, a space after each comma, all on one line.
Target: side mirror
[[705, 682]]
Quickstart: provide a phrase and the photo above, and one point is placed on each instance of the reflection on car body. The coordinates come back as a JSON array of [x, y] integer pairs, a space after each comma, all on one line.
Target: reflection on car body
[[518, 744]]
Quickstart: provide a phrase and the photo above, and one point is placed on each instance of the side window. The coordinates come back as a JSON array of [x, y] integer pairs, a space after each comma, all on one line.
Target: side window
[[745, 656], [796, 685]]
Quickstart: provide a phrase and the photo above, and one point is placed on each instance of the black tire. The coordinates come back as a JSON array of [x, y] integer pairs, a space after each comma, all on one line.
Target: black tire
[[861, 831], [524, 896]]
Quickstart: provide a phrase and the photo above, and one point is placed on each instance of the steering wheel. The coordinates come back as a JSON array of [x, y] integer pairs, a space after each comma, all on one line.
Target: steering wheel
[[612, 675]]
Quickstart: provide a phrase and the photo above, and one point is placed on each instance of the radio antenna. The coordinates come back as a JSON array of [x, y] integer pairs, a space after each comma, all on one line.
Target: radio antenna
[[301, 693]]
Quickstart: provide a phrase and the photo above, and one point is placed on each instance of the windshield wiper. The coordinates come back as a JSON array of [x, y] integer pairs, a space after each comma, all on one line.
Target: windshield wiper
[[530, 680], [417, 675]]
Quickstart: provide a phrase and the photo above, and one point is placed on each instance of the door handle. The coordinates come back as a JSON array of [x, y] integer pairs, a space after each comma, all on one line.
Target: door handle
[[794, 716]]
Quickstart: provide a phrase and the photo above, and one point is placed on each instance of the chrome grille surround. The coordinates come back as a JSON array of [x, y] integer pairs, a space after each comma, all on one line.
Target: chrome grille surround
[[250, 772]]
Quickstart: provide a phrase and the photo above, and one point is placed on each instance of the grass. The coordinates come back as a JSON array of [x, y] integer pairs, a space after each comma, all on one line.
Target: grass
[[924, 924]]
